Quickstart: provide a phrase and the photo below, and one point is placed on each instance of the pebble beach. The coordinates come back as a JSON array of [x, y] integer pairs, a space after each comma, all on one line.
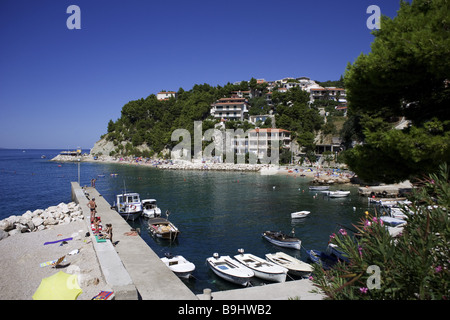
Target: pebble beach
[[22, 254], [318, 175]]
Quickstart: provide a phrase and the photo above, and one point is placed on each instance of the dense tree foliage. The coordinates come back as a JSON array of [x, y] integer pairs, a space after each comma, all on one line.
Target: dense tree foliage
[[151, 121], [293, 113], [406, 74]]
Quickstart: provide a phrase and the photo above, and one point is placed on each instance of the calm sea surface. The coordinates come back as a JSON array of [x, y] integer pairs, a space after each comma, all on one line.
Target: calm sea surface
[[215, 211]]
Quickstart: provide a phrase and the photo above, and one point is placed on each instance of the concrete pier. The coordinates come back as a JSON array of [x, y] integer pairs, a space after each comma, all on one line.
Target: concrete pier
[[132, 269], [295, 290], [389, 190]]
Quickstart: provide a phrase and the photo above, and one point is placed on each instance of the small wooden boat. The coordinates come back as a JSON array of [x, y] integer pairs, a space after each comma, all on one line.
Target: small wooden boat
[[295, 266], [162, 228], [262, 268], [338, 194], [321, 258], [230, 270], [179, 265], [282, 240], [299, 214]]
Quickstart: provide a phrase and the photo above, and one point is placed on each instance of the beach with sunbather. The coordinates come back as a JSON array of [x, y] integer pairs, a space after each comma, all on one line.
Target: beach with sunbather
[[26, 260]]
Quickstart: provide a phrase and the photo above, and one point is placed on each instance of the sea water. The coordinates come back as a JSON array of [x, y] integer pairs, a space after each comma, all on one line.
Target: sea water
[[215, 211]]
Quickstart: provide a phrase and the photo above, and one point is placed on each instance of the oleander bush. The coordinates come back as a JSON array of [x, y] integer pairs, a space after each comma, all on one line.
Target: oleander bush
[[412, 265]]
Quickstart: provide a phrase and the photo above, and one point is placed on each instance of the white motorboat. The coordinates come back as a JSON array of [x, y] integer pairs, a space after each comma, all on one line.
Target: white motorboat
[[150, 208], [338, 194], [282, 240], [393, 222], [230, 270], [179, 265], [129, 205], [295, 267], [262, 268], [319, 188], [299, 214]]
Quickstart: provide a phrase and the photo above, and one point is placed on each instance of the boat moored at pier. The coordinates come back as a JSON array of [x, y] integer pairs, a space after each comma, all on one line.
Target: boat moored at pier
[[262, 268], [230, 270], [128, 205]]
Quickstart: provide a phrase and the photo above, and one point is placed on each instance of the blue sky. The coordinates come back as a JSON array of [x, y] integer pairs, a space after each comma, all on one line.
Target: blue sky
[[60, 87]]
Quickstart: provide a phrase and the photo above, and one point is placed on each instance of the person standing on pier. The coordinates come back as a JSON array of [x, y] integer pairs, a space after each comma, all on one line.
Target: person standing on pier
[[92, 205]]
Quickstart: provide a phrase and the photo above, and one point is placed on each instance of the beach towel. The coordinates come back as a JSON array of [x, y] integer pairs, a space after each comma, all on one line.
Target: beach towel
[[50, 242], [99, 239], [49, 263], [103, 295]]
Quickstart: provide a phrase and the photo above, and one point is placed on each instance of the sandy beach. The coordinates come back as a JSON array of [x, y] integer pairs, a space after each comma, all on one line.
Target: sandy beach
[[22, 254]]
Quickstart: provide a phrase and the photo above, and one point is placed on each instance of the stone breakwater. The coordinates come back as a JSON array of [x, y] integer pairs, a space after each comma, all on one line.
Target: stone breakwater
[[32, 221]]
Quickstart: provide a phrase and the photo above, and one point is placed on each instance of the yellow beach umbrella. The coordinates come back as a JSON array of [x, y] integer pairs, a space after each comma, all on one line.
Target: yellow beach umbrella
[[60, 286]]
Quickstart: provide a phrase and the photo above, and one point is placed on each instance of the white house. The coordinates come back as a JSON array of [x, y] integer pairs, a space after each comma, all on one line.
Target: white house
[[331, 93], [260, 140], [164, 95], [234, 108]]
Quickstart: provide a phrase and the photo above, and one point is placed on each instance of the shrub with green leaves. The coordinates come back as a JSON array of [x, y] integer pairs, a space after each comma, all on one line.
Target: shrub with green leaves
[[412, 265]]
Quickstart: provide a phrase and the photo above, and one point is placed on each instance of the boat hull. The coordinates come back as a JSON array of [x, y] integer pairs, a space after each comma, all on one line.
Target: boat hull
[[295, 267], [180, 266], [338, 194], [230, 270], [150, 209], [151, 213], [293, 244], [319, 188], [299, 214], [163, 229], [321, 258], [131, 216], [263, 269]]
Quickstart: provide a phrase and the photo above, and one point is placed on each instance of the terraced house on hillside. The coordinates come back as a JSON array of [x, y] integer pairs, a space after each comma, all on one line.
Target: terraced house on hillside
[[234, 108]]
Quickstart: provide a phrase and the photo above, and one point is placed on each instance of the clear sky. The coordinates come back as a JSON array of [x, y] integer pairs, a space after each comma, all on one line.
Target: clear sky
[[60, 87]]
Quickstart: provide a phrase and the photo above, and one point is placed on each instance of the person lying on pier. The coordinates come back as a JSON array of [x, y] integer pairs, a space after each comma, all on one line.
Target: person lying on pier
[[97, 225]]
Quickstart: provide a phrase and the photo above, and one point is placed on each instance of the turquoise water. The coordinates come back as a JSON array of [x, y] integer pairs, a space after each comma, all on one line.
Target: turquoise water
[[215, 211]]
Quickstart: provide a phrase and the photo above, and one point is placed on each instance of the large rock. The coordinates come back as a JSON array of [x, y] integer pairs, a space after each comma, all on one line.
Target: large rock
[[103, 147], [62, 207], [3, 234], [31, 225], [37, 212], [50, 221], [6, 225], [28, 215], [37, 221]]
